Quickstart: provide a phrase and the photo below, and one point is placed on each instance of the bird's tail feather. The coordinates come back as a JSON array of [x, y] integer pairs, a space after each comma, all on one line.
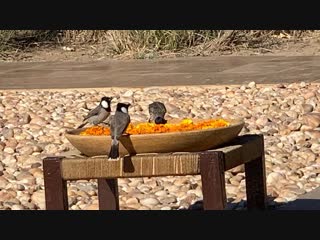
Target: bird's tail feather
[[114, 150], [82, 125]]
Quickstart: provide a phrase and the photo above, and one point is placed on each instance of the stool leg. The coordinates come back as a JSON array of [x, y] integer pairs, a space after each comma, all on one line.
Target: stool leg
[[108, 194], [256, 182], [213, 181], [56, 195]]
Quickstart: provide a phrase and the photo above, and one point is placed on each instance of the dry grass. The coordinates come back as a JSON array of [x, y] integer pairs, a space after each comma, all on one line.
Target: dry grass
[[149, 43]]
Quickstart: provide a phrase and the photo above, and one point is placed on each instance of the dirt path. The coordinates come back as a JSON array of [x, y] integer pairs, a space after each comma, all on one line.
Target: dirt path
[[223, 70]]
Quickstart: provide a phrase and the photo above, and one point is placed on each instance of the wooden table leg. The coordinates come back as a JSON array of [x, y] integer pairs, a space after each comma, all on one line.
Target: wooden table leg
[[108, 194], [56, 195], [213, 181], [256, 182]]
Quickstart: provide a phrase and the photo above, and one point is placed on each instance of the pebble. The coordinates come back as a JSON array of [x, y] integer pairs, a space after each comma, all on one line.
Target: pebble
[[307, 108], [39, 199], [3, 182], [287, 115], [274, 177], [131, 201], [311, 119], [17, 207], [149, 201], [7, 133]]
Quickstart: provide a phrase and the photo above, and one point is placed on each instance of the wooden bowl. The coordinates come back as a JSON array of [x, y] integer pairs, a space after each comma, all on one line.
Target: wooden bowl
[[187, 141]]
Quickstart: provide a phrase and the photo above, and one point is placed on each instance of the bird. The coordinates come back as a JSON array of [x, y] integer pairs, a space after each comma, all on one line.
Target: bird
[[118, 125], [98, 114], [157, 111]]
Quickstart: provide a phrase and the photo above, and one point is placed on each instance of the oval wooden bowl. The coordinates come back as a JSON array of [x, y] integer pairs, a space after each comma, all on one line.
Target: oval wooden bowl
[[188, 141]]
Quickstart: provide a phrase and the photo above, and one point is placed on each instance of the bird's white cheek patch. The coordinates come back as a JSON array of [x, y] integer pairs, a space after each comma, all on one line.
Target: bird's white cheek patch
[[105, 104], [124, 110]]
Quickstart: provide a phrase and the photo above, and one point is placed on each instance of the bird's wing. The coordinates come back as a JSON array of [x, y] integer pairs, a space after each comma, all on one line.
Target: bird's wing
[[110, 119], [124, 123], [157, 107], [93, 112], [120, 124], [162, 107]]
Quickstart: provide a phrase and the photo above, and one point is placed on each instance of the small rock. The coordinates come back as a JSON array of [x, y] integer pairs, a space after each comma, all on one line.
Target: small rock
[[7, 133], [292, 114], [39, 199], [26, 118], [166, 208], [306, 128], [36, 172], [190, 198], [232, 189], [262, 121], [307, 108], [144, 188], [294, 126], [8, 150], [237, 169], [132, 200], [17, 207], [274, 177], [74, 207], [149, 201], [30, 205], [6, 196], [280, 200], [26, 179], [3, 182], [51, 149], [303, 84], [168, 199], [92, 207], [311, 119], [143, 208], [308, 95], [313, 134], [128, 93], [288, 195], [172, 188], [252, 85], [28, 159], [11, 143], [36, 165], [26, 150], [19, 187], [133, 206], [39, 121], [161, 193], [23, 175]]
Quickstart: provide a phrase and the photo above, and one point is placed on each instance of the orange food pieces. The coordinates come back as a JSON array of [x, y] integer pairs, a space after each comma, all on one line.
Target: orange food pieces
[[96, 131], [149, 128]]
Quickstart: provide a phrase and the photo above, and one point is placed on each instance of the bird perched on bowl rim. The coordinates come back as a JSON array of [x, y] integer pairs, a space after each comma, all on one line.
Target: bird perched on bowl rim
[[157, 111], [98, 114], [118, 125]]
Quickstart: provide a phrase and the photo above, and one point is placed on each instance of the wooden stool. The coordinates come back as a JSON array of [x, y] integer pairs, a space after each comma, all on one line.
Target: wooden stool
[[211, 165]]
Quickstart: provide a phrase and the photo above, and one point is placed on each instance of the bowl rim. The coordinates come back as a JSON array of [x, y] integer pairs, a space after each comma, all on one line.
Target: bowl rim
[[233, 123]]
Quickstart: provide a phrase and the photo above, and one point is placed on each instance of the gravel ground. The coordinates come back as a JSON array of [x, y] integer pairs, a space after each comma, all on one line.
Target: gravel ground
[[32, 126]]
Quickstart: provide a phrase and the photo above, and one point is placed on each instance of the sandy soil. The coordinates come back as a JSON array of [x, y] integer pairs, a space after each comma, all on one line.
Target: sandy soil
[[307, 46]]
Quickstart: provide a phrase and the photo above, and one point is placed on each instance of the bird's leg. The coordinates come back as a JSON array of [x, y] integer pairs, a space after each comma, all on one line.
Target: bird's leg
[[105, 124]]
